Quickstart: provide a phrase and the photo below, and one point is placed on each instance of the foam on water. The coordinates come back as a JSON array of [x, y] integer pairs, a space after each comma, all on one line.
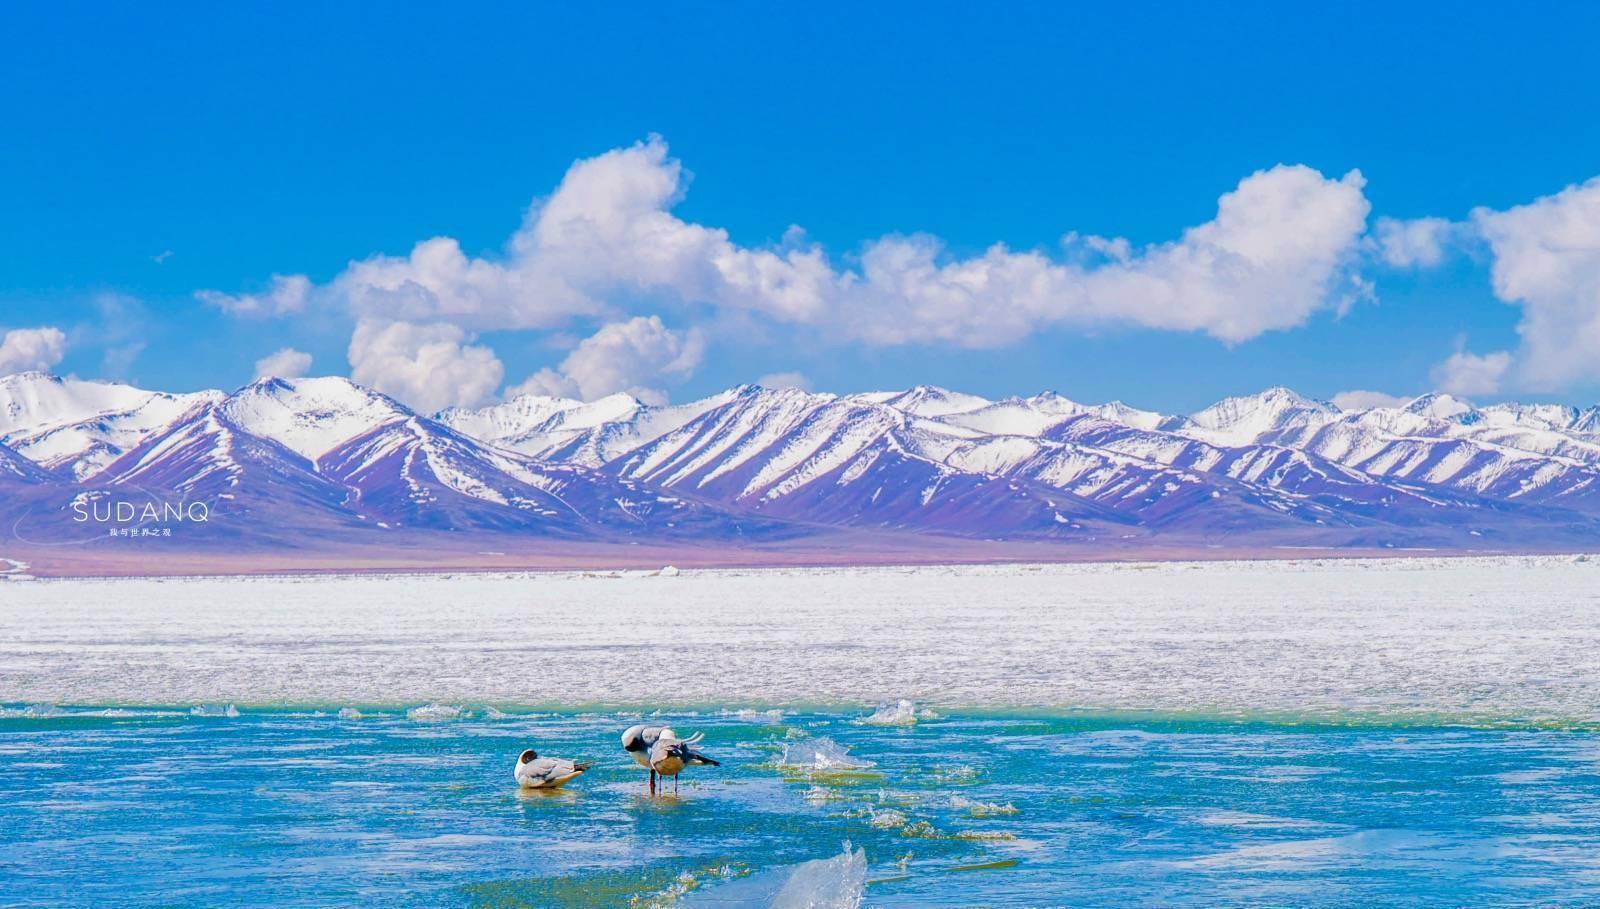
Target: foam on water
[[33, 711]]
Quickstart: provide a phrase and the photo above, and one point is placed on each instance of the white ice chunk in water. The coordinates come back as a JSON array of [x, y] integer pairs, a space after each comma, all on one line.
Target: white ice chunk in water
[[900, 713], [214, 710], [32, 712], [434, 713], [832, 883], [821, 754]]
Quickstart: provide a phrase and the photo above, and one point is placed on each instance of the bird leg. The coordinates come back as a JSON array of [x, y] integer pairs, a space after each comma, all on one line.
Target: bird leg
[[652, 781]]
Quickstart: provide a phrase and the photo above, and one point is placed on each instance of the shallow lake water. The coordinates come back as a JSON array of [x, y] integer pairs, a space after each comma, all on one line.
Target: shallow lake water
[[181, 807]]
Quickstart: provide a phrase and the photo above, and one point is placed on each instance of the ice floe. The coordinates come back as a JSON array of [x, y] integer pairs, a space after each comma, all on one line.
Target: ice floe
[[1439, 639], [897, 713], [821, 754], [839, 882], [434, 713]]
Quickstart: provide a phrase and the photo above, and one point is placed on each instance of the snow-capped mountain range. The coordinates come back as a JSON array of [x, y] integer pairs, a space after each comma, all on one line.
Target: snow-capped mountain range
[[313, 462]]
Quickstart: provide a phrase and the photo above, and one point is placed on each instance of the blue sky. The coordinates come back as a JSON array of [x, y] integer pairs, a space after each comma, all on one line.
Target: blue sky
[[160, 165]]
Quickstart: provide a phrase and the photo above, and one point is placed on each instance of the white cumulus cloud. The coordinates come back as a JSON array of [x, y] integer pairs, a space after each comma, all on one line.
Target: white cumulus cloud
[[1464, 373], [1271, 258], [606, 247], [1356, 399], [603, 238], [785, 380], [1419, 242], [1546, 259], [429, 366], [22, 349], [285, 295], [633, 356], [286, 363]]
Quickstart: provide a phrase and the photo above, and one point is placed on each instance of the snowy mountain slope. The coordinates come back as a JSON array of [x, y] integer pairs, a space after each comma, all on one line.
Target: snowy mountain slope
[[830, 460], [16, 470], [414, 472], [1587, 422], [1553, 417], [321, 458], [244, 458], [251, 487], [1463, 452], [866, 463], [1437, 406], [572, 431], [1291, 482], [310, 416], [928, 401], [814, 452], [1033, 416], [510, 419], [79, 427], [36, 400], [1243, 420]]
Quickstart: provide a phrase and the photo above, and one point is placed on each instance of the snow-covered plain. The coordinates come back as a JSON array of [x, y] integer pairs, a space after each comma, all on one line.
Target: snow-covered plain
[[1514, 639]]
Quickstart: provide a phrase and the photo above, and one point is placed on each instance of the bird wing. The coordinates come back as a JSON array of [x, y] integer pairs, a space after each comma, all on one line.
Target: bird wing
[[692, 756], [550, 771], [548, 767], [537, 770]]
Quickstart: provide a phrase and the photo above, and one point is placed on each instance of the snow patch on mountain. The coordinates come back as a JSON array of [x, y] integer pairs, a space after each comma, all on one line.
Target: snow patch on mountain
[[78, 427], [1276, 465], [1243, 420], [310, 416]]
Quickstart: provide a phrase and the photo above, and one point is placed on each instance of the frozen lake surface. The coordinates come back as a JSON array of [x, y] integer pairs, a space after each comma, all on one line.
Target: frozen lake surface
[[1482, 638], [1400, 733]]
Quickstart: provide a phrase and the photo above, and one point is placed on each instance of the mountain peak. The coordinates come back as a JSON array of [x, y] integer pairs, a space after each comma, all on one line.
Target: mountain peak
[[925, 458], [1243, 420], [1439, 406], [310, 416], [270, 384], [33, 401], [30, 376], [933, 401], [1120, 412], [1554, 417], [1286, 394]]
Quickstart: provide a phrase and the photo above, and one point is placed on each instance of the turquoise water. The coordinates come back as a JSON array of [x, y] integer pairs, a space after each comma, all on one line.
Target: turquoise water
[[304, 808]]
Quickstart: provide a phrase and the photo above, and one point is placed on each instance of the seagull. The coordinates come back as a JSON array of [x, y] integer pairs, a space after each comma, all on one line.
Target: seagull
[[659, 750], [535, 772], [637, 741]]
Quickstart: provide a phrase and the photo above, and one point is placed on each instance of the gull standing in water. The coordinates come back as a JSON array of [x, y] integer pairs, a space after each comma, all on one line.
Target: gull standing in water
[[659, 750], [535, 772]]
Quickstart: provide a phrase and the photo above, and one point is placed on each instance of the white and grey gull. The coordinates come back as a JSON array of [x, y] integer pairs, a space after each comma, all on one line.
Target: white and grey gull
[[659, 750], [535, 772]]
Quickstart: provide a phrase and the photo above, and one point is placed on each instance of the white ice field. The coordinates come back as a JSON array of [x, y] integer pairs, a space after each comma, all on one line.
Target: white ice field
[[1474, 638]]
